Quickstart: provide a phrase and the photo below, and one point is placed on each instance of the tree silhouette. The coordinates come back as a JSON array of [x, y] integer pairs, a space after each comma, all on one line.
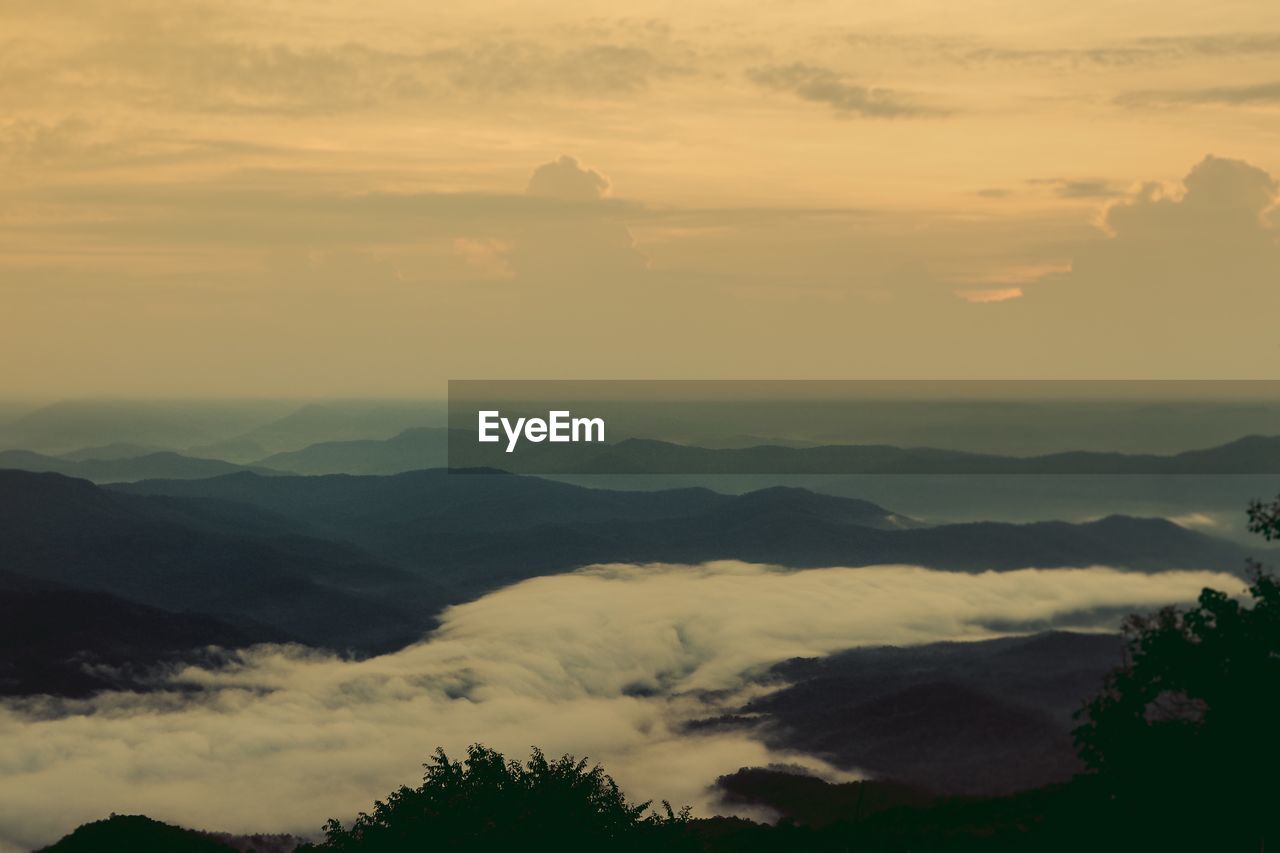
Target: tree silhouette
[[489, 803], [1182, 737], [1264, 518]]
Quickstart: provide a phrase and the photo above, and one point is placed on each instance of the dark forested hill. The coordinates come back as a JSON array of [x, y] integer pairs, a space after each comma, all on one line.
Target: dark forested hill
[[957, 718], [137, 834], [72, 642], [231, 562]]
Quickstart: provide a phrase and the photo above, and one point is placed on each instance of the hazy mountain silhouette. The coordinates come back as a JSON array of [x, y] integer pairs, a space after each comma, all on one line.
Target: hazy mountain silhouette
[[66, 426], [115, 450], [327, 421], [1248, 455], [123, 469], [413, 449]]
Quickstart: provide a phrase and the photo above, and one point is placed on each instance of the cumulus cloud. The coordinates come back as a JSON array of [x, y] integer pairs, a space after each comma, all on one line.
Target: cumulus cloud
[[586, 245], [608, 661], [1183, 263], [565, 178], [824, 86], [1221, 199]]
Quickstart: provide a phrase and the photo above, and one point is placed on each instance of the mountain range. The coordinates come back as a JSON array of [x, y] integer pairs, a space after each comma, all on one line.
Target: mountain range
[[364, 563], [427, 447], [467, 527], [1248, 455], [160, 464], [421, 447]]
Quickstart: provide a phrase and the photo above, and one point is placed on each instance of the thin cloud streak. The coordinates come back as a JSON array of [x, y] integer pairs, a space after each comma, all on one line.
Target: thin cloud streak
[[824, 86], [1257, 93]]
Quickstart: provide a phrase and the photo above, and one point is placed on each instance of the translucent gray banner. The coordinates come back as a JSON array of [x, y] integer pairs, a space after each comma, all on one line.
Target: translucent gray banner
[[865, 427]]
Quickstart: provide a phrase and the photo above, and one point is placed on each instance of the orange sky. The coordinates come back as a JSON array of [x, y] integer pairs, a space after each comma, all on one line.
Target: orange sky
[[283, 198]]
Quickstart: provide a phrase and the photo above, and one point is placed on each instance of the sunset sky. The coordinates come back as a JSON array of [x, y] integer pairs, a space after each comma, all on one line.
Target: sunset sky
[[340, 198]]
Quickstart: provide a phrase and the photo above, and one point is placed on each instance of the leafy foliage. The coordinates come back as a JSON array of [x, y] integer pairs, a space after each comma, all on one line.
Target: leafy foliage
[[1186, 727], [488, 802], [1264, 519]]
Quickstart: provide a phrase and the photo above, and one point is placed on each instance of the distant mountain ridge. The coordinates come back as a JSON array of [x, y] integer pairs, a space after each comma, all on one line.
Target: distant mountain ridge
[[1248, 455], [326, 422], [240, 431], [67, 425], [421, 448], [481, 530], [417, 448], [161, 464], [428, 447]]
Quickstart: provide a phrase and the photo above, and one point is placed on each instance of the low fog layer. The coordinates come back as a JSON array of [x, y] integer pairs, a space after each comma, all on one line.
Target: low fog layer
[[605, 662]]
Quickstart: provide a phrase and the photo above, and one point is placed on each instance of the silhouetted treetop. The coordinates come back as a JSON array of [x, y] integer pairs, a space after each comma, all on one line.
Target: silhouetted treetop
[[1264, 518], [1186, 726], [488, 802]]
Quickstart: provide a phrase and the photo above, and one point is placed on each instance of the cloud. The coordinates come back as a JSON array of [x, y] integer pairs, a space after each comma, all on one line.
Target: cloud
[[1198, 521], [989, 294], [586, 246], [823, 86], [565, 178], [1070, 57], [1228, 45], [1079, 189], [604, 69], [1008, 283], [1221, 200], [1256, 93], [488, 257], [609, 662], [215, 60], [31, 143], [562, 230], [1183, 275], [1120, 54]]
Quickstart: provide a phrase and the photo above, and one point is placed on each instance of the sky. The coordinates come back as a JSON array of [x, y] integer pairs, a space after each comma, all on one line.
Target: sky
[[341, 199], [291, 737]]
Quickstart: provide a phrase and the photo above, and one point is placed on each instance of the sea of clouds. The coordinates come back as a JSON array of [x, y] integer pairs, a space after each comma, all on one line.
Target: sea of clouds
[[606, 662]]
